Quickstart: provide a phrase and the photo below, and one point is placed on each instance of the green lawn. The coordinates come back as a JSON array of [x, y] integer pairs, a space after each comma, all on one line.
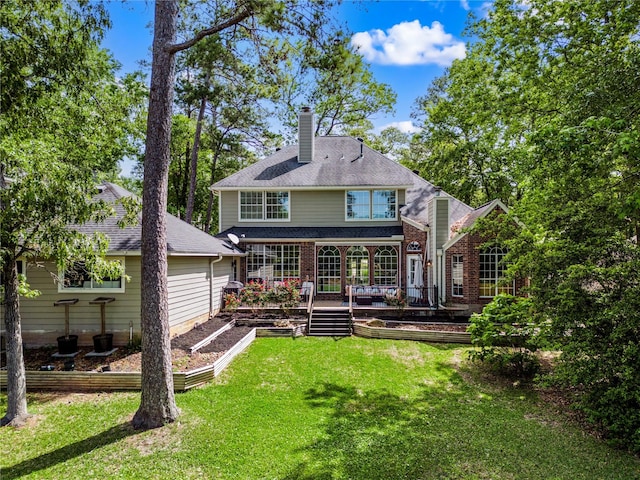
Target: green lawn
[[317, 409]]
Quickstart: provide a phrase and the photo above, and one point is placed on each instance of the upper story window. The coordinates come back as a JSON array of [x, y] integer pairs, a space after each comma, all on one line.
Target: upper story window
[[264, 205], [78, 279], [371, 205]]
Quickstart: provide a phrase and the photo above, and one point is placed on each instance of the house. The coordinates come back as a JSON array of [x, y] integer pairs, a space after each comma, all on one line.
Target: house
[[199, 266], [333, 211]]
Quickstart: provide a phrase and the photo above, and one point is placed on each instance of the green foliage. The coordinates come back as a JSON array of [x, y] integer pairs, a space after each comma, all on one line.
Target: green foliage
[[231, 302], [254, 295], [285, 294], [543, 113], [506, 336], [65, 124]]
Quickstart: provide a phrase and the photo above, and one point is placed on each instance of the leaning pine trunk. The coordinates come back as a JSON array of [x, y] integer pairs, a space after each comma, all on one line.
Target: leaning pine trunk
[[157, 405], [193, 169], [16, 376]]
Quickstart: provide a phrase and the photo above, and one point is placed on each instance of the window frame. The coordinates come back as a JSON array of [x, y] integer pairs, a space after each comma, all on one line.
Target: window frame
[[457, 273], [332, 281], [92, 288], [383, 258], [288, 261], [358, 253], [370, 205], [494, 279], [264, 205]]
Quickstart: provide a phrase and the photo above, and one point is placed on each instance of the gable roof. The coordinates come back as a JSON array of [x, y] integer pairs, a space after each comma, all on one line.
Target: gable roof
[[421, 193], [182, 238], [337, 163], [460, 228]]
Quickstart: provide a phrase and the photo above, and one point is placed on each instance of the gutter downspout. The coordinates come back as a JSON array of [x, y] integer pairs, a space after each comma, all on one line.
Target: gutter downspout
[[211, 262]]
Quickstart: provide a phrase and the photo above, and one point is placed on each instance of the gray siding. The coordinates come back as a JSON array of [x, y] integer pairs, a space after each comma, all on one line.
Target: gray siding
[[441, 220], [222, 274], [319, 208], [188, 284], [42, 322], [190, 291]]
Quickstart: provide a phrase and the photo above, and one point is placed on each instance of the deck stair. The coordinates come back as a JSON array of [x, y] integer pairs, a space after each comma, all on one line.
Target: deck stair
[[329, 322]]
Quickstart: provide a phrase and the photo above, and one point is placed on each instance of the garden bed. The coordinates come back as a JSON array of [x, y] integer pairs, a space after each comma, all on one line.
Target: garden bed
[[426, 332], [126, 359]]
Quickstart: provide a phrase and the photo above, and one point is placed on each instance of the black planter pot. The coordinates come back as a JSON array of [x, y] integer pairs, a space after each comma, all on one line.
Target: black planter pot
[[67, 345], [103, 343]]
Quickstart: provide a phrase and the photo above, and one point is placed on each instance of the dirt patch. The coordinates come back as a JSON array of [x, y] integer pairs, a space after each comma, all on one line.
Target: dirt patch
[[126, 359]]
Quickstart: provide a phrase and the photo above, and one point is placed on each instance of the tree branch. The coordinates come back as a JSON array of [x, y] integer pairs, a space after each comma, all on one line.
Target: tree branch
[[242, 15]]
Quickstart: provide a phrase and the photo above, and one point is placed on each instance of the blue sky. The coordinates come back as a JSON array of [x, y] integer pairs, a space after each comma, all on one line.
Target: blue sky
[[406, 43]]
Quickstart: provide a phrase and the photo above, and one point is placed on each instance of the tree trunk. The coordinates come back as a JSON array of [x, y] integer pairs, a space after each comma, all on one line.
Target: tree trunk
[[16, 376], [207, 227], [157, 405], [193, 178]]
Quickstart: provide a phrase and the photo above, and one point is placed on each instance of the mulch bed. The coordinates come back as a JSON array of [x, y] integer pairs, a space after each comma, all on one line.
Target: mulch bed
[[125, 359]]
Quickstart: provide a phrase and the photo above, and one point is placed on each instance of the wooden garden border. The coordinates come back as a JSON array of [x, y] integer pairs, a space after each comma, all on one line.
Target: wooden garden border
[[112, 381], [421, 335], [293, 331]]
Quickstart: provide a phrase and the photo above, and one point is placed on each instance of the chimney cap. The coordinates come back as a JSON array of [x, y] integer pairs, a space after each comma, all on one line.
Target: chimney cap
[[306, 109]]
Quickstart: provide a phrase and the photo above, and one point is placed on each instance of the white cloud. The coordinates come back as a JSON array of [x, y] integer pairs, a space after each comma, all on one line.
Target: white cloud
[[465, 4], [409, 43], [406, 126]]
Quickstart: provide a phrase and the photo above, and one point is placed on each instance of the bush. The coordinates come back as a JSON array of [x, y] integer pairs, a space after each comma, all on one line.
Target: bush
[[506, 337], [231, 302]]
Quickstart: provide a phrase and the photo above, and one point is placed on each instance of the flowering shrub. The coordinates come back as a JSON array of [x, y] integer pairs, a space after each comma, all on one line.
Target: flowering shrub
[[231, 302], [254, 295], [287, 295]]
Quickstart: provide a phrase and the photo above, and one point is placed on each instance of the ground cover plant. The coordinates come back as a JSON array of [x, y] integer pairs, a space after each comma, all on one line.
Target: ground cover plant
[[319, 408]]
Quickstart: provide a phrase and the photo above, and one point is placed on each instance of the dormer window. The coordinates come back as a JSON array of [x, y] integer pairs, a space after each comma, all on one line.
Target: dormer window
[[256, 205], [371, 204]]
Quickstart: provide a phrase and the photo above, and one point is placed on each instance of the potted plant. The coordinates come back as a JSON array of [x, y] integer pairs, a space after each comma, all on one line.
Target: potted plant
[[103, 342], [67, 344]]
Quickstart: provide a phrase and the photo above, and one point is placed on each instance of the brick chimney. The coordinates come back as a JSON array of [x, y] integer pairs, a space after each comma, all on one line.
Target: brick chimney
[[305, 135]]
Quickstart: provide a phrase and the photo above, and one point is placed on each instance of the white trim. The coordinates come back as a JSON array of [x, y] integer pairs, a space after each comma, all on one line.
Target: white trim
[[492, 205], [358, 242], [371, 193], [120, 289], [415, 224], [263, 219]]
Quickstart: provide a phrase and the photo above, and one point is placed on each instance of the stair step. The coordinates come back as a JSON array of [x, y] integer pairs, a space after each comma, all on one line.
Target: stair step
[[330, 323]]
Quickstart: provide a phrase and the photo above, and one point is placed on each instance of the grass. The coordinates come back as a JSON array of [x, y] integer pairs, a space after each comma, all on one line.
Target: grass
[[315, 408]]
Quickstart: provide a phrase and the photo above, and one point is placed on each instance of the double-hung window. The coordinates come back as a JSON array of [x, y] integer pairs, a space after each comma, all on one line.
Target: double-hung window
[[256, 205], [371, 205]]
